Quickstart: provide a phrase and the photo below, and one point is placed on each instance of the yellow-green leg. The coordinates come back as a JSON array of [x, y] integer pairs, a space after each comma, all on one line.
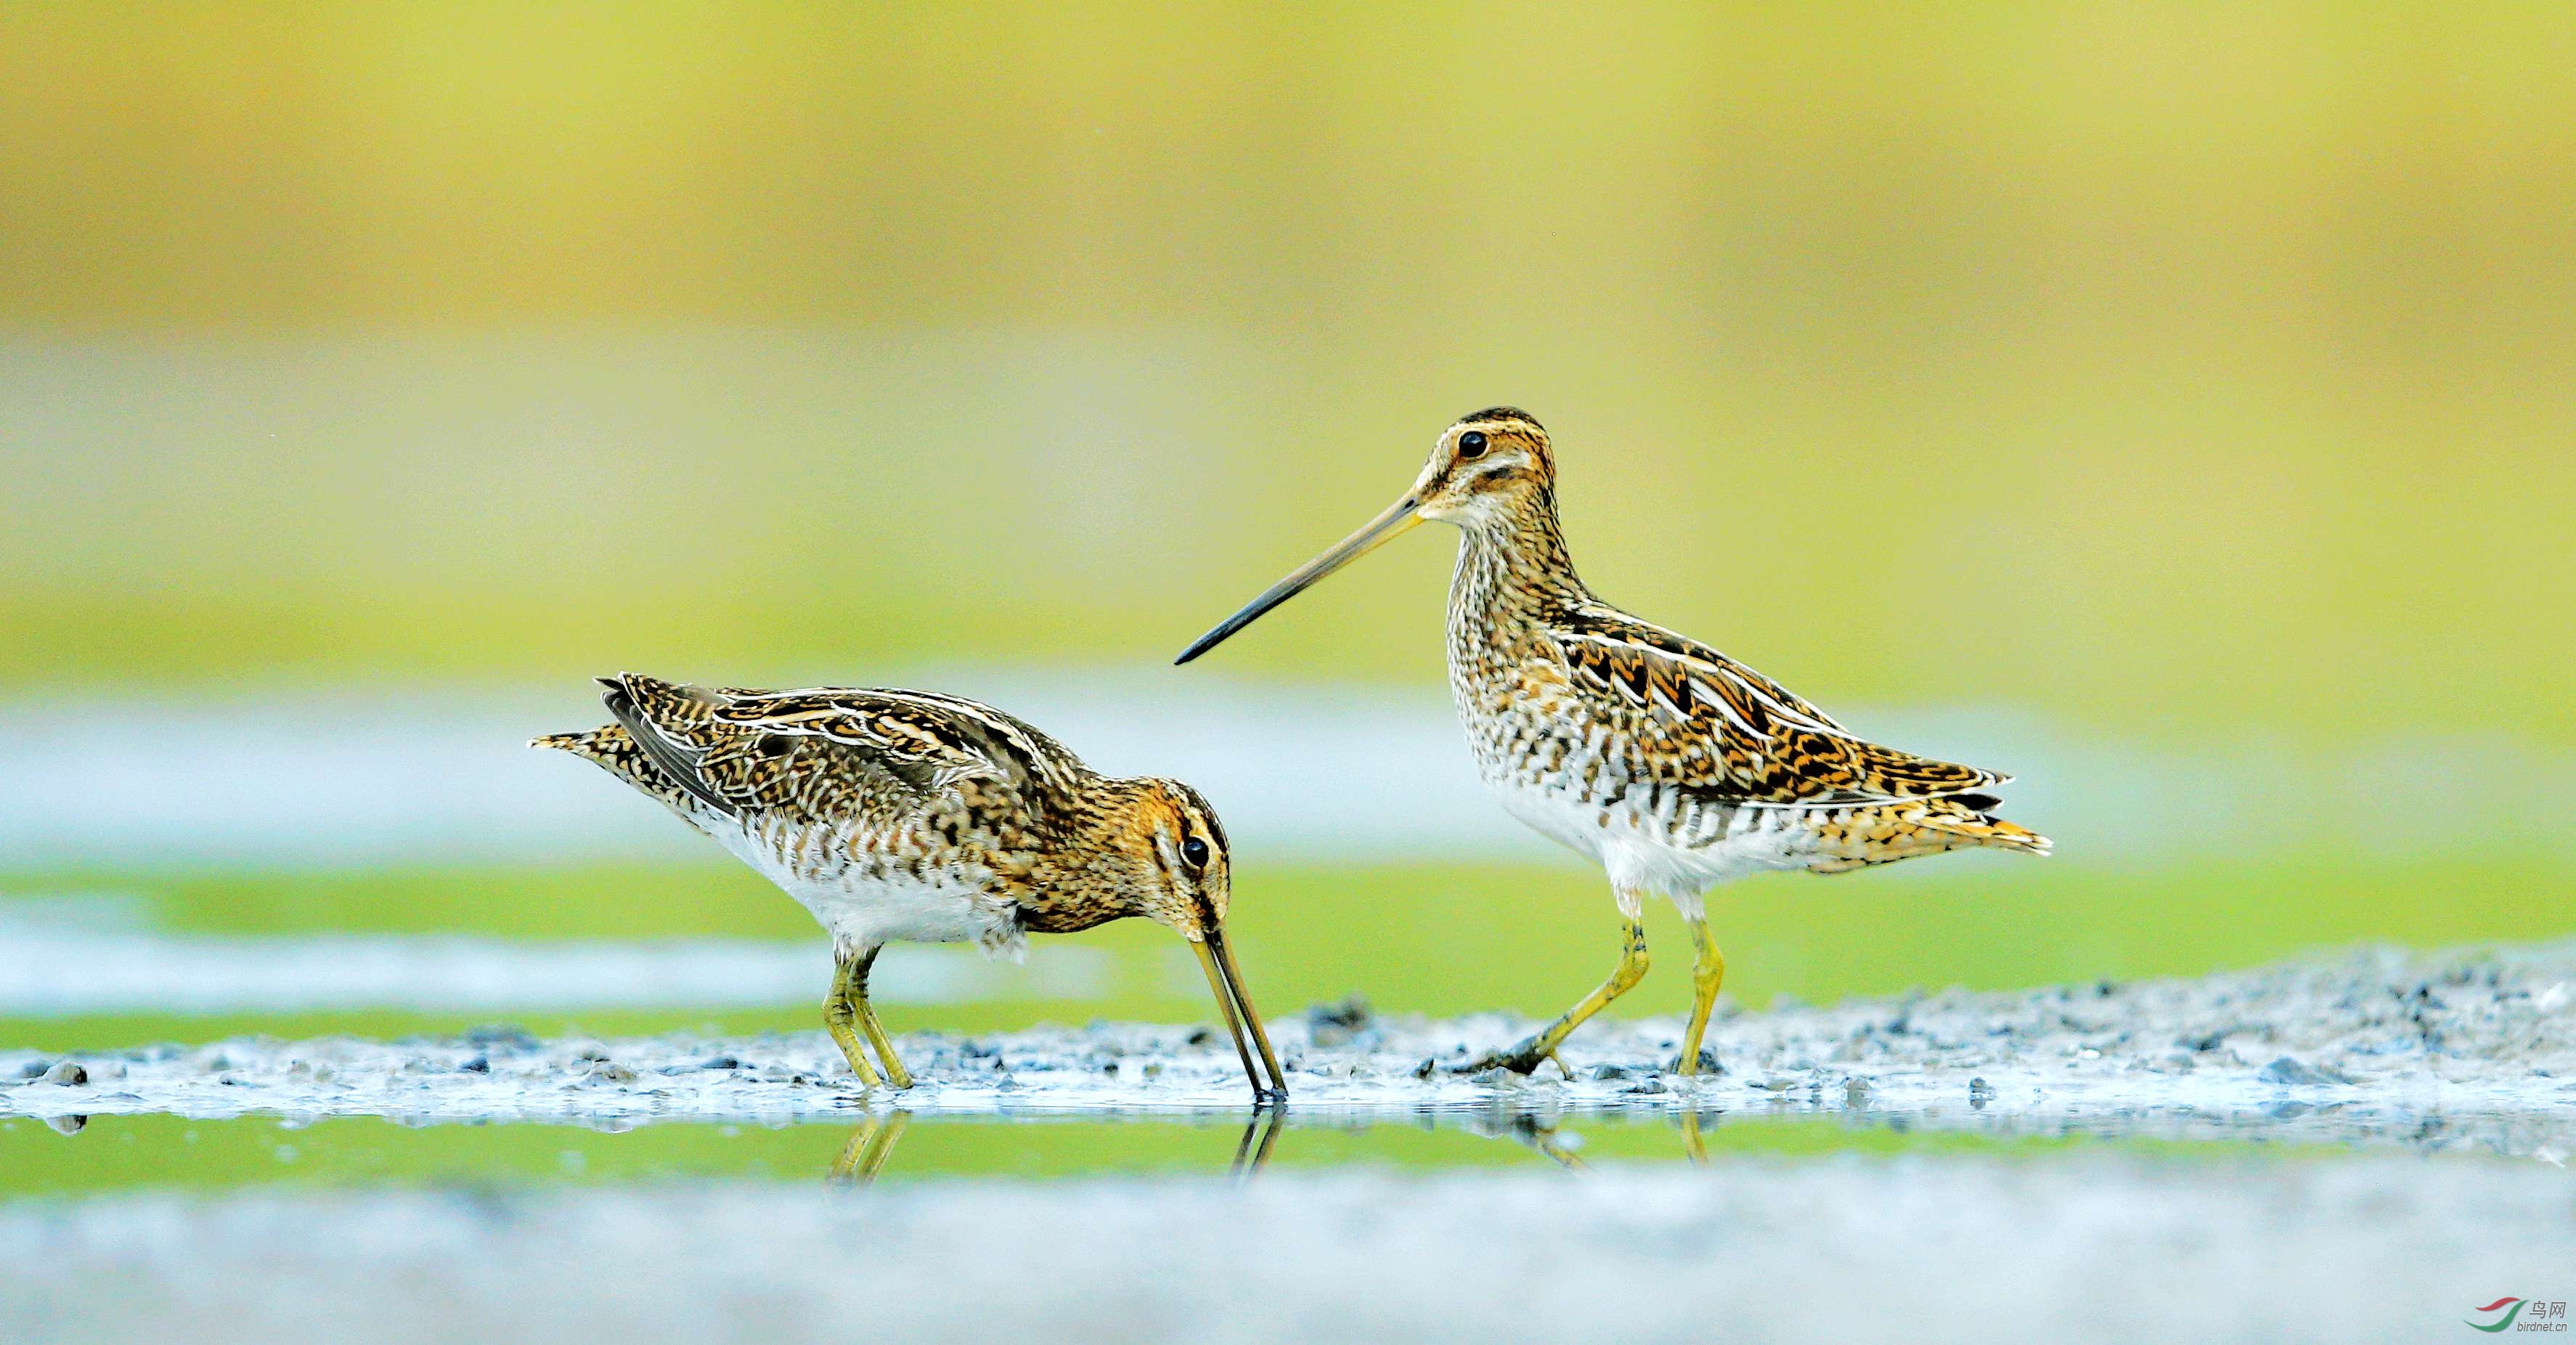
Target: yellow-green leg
[[841, 1015], [895, 1072], [865, 1155], [1693, 1147], [1708, 972], [1525, 1056]]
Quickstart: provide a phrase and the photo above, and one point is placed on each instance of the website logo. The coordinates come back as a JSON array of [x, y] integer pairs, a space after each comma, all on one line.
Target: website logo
[[2523, 1314]]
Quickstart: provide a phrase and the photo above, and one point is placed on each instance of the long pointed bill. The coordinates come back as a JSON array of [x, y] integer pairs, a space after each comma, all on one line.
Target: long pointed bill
[[1380, 530], [1223, 981], [1251, 1020]]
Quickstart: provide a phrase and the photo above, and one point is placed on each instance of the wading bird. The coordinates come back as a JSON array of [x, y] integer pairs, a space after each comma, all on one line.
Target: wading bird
[[1669, 764], [928, 818]]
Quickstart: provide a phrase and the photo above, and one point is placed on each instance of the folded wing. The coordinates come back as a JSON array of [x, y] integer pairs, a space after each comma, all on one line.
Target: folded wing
[[846, 755], [1720, 729]]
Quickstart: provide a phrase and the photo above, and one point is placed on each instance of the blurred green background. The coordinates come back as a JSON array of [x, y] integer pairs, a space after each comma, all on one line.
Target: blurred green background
[[2191, 378]]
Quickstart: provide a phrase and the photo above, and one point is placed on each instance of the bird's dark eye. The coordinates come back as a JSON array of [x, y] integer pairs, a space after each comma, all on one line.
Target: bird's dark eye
[[1471, 444], [1194, 852]]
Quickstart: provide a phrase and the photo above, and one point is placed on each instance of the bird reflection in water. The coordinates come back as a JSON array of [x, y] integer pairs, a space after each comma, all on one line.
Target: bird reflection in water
[[873, 1141], [865, 1155]]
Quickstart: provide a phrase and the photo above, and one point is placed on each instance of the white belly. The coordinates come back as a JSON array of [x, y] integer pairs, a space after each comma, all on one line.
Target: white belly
[[862, 911], [1559, 818], [1647, 851]]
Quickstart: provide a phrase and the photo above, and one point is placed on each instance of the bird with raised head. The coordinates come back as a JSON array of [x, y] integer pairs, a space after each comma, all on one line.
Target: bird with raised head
[[908, 815], [1669, 764]]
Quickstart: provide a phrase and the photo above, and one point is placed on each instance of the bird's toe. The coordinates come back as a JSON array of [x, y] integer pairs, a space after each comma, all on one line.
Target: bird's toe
[[1523, 1057]]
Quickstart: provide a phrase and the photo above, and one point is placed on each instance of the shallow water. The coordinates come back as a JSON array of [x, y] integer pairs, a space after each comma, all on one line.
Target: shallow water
[[1445, 1224], [2360, 1147], [82, 1155], [2099, 1246]]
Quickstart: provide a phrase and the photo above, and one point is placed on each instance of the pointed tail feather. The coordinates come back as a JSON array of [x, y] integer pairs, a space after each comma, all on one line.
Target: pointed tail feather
[[615, 750], [654, 712], [1986, 829], [594, 744]]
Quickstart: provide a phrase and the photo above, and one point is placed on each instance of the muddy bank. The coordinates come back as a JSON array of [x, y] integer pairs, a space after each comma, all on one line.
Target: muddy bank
[[2389, 1248], [2369, 1042]]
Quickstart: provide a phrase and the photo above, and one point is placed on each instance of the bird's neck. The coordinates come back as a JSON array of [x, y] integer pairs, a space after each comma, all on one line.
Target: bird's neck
[[1082, 880], [1512, 568], [1094, 834]]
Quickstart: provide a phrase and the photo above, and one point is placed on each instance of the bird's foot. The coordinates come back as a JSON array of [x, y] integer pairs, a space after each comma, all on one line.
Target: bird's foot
[[1522, 1057]]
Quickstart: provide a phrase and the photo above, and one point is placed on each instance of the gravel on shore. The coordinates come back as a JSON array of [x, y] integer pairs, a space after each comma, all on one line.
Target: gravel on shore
[[2363, 1034]]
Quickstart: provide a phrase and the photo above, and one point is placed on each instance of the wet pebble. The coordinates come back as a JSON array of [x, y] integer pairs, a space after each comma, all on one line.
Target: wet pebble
[[1336, 1024], [501, 1036], [2210, 1041], [2293, 1071], [68, 1073]]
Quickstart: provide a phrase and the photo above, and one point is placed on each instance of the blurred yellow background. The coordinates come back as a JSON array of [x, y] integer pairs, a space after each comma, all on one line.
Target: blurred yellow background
[[2194, 370], [2196, 378]]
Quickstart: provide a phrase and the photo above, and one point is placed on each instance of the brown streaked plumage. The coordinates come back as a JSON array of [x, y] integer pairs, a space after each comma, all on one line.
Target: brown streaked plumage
[[910, 815], [1670, 764]]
